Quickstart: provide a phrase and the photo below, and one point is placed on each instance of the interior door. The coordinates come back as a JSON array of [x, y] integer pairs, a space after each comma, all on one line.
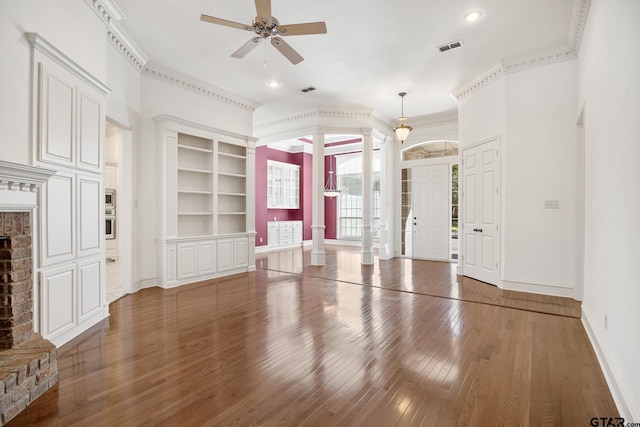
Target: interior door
[[431, 212], [481, 212]]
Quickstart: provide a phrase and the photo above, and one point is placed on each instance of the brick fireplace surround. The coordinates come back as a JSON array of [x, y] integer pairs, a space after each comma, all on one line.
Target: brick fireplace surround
[[28, 365]]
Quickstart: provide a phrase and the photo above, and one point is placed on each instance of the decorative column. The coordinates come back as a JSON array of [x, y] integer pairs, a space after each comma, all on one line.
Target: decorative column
[[367, 256], [386, 191], [317, 227], [250, 207]]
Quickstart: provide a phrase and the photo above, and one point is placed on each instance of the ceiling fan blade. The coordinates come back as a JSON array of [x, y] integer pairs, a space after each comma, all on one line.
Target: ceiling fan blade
[[247, 47], [220, 21], [263, 9], [301, 29], [288, 52]]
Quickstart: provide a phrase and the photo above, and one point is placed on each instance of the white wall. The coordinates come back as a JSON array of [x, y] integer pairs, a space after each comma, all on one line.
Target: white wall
[[539, 165], [609, 70], [60, 23], [159, 98], [482, 115]]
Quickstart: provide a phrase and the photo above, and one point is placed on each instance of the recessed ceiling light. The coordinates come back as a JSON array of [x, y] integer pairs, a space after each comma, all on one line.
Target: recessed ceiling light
[[473, 16], [273, 83]]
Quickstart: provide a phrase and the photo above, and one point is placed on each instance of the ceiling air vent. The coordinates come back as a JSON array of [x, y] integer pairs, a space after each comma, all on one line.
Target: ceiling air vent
[[308, 89], [450, 46]]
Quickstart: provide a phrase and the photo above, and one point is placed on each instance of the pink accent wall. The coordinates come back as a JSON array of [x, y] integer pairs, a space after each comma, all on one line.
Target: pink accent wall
[[305, 213], [263, 153]]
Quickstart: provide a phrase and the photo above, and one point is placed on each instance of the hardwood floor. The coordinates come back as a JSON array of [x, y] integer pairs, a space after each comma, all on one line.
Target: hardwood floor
[[399, 343]]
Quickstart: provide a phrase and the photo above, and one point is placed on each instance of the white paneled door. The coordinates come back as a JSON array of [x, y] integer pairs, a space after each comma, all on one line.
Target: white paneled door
[[431, 212], [481, 212]]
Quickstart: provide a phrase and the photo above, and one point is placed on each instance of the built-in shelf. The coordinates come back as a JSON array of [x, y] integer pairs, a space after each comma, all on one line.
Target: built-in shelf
[[194, 213], [206, 175], [195, 170], [233, 156], [235, 175], [203, 192], [198, 149]]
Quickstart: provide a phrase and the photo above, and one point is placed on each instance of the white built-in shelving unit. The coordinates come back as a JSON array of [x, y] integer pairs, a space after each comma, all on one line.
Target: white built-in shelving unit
[[206, 207]]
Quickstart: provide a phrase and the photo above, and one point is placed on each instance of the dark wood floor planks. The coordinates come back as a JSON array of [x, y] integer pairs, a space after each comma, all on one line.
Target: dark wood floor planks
[[400, 343]]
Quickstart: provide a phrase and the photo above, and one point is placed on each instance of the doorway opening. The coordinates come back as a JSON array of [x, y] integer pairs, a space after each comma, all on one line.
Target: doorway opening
[[118, 213], [432, 226]]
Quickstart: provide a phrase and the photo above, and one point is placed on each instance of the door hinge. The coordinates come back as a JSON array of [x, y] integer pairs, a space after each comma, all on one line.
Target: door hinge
[[496, 265], [497, 191], [497, 153]]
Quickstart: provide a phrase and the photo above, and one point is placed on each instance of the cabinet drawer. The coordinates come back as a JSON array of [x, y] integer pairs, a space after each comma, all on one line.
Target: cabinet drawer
[[285, 235]]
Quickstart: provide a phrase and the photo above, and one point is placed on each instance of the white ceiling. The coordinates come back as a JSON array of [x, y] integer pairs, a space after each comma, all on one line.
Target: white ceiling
[[373, 48]]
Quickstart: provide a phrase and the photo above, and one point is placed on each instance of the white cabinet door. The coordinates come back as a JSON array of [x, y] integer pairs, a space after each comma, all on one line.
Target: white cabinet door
[[90, 212], [58, 219], [206, 258], [90, 288], [187, 260], [58, 300], [57, 119], [225, 254], [241, 252], [272, 230], [297, 233], [90, 133]]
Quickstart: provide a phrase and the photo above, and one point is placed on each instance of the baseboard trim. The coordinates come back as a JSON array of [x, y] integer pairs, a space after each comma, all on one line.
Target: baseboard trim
[[538, 288], [149, 282], [622, 397]]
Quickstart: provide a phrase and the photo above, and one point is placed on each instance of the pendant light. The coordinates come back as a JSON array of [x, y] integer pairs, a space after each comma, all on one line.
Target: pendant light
[[330, 189], [402, 131]]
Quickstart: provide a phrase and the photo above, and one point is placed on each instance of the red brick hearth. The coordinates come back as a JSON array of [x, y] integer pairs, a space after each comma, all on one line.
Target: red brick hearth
[[28, 364]]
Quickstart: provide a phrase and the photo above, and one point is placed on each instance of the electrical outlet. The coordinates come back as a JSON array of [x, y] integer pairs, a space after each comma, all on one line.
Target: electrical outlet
[[261, 240], [552, 204]]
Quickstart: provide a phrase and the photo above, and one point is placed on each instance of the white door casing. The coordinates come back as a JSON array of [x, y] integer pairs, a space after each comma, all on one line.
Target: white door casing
[[431, 220], [481, 212]]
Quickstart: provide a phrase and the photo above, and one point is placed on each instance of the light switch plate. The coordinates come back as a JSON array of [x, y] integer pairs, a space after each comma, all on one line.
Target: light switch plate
[[552, 204]]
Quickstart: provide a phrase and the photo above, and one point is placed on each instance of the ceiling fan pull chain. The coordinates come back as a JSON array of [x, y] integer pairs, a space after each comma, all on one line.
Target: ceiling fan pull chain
[[265, 55]]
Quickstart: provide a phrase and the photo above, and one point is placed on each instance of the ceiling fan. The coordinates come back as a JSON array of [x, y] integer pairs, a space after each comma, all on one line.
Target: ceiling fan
[[268, 27]]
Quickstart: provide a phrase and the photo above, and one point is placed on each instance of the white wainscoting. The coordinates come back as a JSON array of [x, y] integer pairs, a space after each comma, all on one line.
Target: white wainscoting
[[69, 128]]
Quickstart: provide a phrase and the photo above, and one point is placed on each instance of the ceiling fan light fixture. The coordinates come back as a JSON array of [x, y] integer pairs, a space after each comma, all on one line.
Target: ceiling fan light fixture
[[402, 131], [273, 84]]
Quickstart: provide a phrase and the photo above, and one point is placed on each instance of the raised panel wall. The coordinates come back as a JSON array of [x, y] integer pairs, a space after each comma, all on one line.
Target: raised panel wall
[[69, 130], [89, 288], [89, 215], [58, 290], [90, 133], [57, 113], [58, 215]]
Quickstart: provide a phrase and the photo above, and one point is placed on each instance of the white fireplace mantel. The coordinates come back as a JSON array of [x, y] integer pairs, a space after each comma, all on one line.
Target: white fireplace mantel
[[19, 185]]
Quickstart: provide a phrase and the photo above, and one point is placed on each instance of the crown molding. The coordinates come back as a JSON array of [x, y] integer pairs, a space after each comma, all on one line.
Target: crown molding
[[110, 14], [37, 42], [477, 83], [432, 121], [185, 82], [578, 23], [570, 51], [321, 112]]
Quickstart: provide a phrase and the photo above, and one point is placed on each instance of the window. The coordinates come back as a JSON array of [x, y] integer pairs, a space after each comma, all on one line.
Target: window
[[349, 176]]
